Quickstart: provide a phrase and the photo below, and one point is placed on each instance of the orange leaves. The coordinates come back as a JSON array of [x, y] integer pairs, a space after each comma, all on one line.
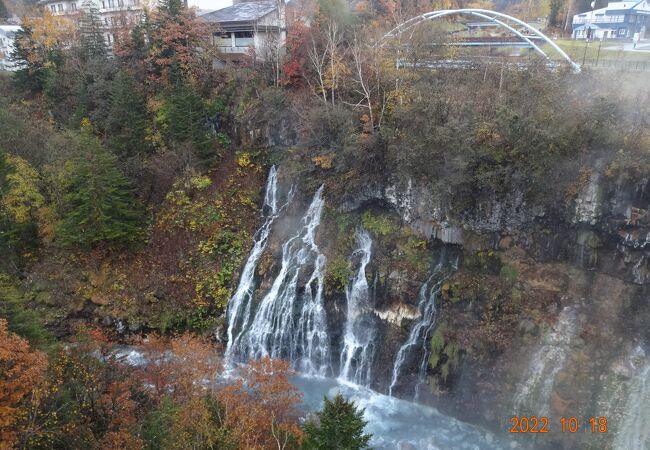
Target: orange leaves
[[175, 43], [21, 371], [122, 440], [182, 366], [261, 408], [324, 161], [90, 400]]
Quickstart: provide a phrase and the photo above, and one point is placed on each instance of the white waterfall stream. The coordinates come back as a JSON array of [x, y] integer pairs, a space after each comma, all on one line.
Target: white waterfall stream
[[239, 306], [359, 334], [288, 325], [289, 322], [417, 343], [634, 431], [534, 393]]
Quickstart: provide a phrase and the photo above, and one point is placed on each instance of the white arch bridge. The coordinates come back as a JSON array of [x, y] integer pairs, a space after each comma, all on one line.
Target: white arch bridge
[[505, 21]]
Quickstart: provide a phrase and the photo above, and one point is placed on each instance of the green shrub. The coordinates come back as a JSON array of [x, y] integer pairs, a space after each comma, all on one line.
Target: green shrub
[[379, 224], [508, 273]]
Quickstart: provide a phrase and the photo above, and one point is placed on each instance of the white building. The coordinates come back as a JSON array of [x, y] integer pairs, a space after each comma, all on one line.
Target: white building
[[114, 14], [618, 20], [249, 26], [7, 39]]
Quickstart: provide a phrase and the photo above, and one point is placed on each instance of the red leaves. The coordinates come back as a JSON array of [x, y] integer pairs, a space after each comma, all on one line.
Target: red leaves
[[21, 371], [177, 40]]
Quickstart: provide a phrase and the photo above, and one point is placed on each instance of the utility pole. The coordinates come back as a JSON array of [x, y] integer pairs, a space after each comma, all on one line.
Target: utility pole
[[588, 31]]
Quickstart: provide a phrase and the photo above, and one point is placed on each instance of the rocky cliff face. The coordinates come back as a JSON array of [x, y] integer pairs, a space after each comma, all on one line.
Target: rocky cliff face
[[544, 306], [547, 314]]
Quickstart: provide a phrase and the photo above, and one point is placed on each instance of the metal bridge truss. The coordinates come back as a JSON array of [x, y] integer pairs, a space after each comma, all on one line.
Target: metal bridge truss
[[503, 20]]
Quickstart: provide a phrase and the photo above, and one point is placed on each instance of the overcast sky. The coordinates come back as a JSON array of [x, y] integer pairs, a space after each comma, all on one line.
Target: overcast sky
[[210, 4]]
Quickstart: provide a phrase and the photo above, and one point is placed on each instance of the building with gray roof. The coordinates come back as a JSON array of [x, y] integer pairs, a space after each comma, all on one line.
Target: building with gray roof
[[257, 28]]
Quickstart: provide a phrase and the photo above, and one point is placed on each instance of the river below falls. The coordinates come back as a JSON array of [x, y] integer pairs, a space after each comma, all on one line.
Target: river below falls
[[395, 424], [399, 424]]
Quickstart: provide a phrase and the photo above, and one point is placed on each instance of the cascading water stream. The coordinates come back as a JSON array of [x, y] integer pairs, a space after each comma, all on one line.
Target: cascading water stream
[[239, 305], [634, 431], [534, 393], [418, 339], [359, 334], [287, 325]]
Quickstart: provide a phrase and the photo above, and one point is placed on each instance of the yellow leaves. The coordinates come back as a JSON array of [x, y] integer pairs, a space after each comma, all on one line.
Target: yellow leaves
[[335, 71], [324, 161], [244, 160], [200, 182], [47, 32], [486, 133], [23, 198], [47, 218], [86, 125]]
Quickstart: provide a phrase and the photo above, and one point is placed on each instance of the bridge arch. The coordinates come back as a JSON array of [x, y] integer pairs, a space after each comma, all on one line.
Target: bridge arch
[[498, 18]]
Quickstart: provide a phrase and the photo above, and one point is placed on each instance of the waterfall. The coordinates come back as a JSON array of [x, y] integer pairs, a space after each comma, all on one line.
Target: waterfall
[[534, 394], [634, 431], [287, 324], [359, 334], [418, 339], [239, 305]]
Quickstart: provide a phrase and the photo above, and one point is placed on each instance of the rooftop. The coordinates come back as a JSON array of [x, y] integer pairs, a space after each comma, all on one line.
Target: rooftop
[[242, 12], [636, 5]]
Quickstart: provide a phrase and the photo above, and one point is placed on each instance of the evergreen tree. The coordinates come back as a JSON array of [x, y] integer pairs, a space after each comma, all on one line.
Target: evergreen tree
[[90, 29], [21, 319], [554, 19], [185, 115], [340, 427], [172, 8], [127, 117], [32, 73], [97, 205]]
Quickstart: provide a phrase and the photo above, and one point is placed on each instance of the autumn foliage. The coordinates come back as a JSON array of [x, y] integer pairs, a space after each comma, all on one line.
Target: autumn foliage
[[179, 366], [261, 406], [21, 371]]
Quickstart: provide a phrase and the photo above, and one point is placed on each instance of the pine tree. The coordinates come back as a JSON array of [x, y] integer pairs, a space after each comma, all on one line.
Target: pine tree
[[32, 72], [554, 13], [185, 120], [22, 319], [173, 8], [90, 29], [98, 206], [340, 427], [127, 117]]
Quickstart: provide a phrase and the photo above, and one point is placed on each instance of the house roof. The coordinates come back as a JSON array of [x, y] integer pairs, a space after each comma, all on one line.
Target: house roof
[[642, 6], [242, 12]]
